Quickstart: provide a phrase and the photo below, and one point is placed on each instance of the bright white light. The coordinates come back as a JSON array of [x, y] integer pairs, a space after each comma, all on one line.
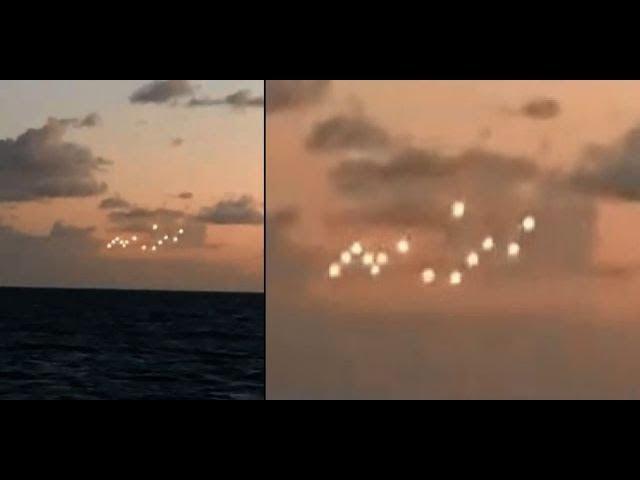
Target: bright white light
[[155, 227], [472, 259], [367, 259], [334, 270], [109, 245], [166, 237], [144, 248], [345, 257], [117, 239], [375, 270], [403, 246], [160, 242], [428, 275], [134, 238], [488, 244], [154, 248], [513, 250], [455, 278], [181, 231], [382, 258], [175, 239], [356, 248], [457, 209], [529, 223]]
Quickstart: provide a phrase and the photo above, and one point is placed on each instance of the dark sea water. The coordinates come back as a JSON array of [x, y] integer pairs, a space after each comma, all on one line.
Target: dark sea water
[[104, 344]]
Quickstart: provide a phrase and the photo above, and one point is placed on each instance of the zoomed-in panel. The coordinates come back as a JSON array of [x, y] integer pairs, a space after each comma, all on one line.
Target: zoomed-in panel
[[131, 239], [452, 239]]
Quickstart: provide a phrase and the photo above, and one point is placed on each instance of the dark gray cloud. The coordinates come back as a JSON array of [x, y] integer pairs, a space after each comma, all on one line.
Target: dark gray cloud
[[239, 99], [114, 203], [347, 132], [91, 120], [611, 170], [162, 91], [541, 108], [290, 94], [185, 195], [243, 210], [177, 142], [39, 164]]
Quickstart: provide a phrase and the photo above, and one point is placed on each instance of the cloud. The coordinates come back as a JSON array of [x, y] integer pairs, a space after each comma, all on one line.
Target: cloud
[[344, 132], [239, 99], [612, 171], [114, 203], [243, 210], [185, 195], [291, 94], [39, 164], [91, 120], [176, 142], [162, 91], [541, 108]]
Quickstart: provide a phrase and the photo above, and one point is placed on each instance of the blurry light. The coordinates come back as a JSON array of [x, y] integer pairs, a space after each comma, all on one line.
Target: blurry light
[[457, 209], [109, 245], [134, 238], [382, 258], [472, 259], [513, 250], [181, 231], [175, 239], [488, 244], [455, 278], [529, 223], [144, 248], [428, 275], [159, 242], [153, 249], [375, 270], [166, 237], [356, 248], [403, 246], [155, 227], [334, 270], [367, 258], [345, 257]]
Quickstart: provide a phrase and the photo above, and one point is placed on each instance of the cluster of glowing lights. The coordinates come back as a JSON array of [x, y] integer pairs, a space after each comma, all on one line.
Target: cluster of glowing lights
[[152, 246], [374, 261], [356, 254]]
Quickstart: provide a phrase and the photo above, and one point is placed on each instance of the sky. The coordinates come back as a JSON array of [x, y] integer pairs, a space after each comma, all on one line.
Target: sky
[[85, 161], [379, 161]]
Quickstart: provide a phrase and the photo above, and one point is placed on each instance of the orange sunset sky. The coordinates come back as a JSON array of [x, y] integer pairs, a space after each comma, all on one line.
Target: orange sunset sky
[[375, 161], [84, 161]]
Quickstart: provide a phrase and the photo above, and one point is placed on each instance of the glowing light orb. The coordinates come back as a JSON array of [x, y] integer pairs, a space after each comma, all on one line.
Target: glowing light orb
[[345, 257], [403, 246], [367, 259], [155, 226], [117, 239], [488, 244], [144, 248], [124, 245], [334, 270], [109, 245], [513, 250], [455, 278], [375, 270], [457, 209], [154, 248], [134, 238], [356, 248], [160, 242], [166, 237], [175, 239], [529, 223], [428, 275], [472, 259], [382, 258], [181, 231]]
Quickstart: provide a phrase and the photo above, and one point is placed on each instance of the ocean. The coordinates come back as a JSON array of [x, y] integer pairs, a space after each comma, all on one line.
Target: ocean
[[114, 344]]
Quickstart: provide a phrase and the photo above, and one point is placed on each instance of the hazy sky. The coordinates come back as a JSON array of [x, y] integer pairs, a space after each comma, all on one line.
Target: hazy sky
[[378, 160], [84, 161]]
